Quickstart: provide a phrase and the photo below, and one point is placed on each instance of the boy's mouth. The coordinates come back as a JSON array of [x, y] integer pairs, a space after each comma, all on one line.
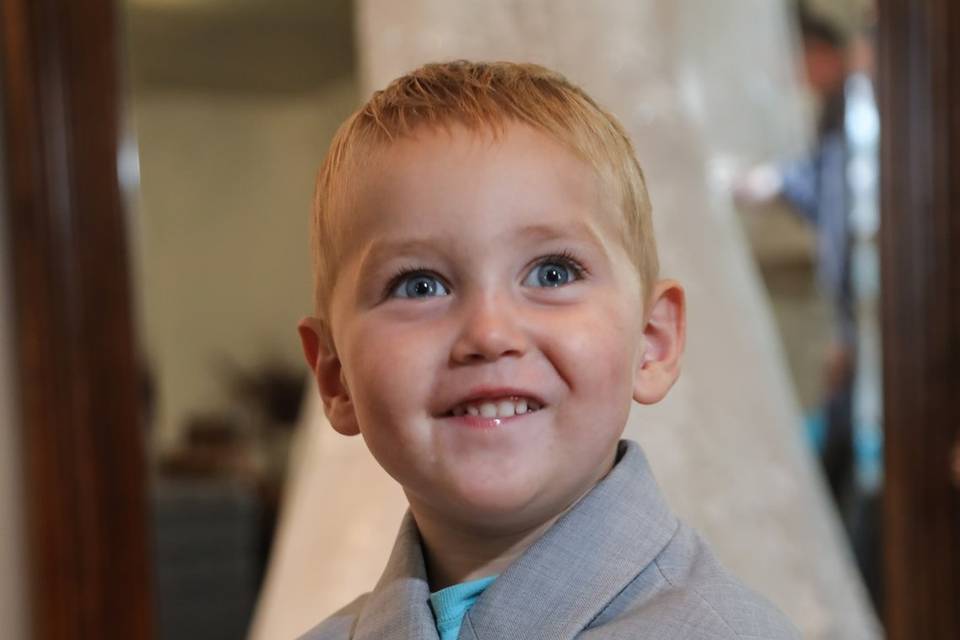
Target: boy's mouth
[[505, 407]]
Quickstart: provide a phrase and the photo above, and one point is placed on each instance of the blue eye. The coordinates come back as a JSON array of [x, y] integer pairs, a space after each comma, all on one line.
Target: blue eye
[[554, 271], [417, 285]]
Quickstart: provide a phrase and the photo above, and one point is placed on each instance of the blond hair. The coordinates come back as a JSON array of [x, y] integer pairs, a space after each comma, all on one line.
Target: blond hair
[[480, 96]]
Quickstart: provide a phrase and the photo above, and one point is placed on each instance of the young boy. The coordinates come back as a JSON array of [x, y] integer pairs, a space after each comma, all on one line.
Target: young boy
[[487, 308]]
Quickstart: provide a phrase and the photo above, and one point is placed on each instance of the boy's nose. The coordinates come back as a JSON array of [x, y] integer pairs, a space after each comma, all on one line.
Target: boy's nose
[[490, 330]]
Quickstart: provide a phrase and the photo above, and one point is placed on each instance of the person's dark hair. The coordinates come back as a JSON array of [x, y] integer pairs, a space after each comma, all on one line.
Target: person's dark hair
[[817, 29]]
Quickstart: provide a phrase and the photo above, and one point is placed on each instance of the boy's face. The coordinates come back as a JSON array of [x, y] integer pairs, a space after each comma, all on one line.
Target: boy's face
[[484, 277]]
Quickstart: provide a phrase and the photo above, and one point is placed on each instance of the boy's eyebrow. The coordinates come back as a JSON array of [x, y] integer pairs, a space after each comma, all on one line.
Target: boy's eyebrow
[[552, 232], [381, 249]]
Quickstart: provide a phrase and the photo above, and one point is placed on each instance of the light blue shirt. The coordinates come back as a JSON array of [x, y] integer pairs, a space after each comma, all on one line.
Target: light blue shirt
[[451, 604]]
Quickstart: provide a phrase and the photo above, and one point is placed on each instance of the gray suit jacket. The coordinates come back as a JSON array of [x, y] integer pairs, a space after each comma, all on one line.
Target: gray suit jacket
[[618, 565]]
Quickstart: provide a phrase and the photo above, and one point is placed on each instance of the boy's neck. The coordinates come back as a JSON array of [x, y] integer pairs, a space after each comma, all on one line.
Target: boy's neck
[[456, 554], [458, 551]]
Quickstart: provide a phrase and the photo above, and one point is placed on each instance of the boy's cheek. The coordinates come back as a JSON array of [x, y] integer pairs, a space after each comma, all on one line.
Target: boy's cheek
[[608, 335], [399, 359], [391, 368]]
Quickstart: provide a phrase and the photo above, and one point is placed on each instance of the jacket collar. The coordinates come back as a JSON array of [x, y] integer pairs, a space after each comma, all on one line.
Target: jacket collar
[[582, 562], [398, 608], [559, 584]]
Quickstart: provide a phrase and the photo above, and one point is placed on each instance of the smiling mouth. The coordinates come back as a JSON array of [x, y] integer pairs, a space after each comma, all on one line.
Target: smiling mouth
[[496, 407]]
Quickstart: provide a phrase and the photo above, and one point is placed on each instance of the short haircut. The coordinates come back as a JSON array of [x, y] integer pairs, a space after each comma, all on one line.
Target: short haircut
[[480, 96]]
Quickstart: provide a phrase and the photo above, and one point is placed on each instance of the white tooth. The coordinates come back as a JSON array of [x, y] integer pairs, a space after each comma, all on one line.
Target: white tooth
[[488, 410], [505, 409], [521, 407], [473, 410]]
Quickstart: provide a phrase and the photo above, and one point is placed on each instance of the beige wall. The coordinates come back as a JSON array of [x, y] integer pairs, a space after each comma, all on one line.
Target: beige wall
[[224, 268], [13, 591]]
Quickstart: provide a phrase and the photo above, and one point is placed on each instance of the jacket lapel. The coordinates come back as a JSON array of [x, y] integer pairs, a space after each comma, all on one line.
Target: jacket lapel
[[398, 607], [582, 562]]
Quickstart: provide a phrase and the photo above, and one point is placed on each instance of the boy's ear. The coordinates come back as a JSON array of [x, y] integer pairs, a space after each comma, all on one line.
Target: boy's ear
[[664, 336], [325, 364]]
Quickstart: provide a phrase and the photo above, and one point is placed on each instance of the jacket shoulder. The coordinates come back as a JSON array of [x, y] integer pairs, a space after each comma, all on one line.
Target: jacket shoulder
[[340, 625], [689, 566]]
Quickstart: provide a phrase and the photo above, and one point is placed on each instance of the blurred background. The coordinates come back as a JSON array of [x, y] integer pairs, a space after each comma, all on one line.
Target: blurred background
[[230, 107], [758, 127]]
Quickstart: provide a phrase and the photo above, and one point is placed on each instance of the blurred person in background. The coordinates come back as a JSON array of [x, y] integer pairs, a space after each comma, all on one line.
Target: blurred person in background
[[815, 188], [834, 189]]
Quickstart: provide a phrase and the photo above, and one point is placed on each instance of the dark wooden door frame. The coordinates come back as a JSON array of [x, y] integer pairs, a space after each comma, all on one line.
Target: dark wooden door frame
[[919, 89], [83, 458]]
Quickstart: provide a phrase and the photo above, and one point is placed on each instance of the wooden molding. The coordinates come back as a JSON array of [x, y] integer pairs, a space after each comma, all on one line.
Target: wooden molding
[[83, 446], [919, 90]]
